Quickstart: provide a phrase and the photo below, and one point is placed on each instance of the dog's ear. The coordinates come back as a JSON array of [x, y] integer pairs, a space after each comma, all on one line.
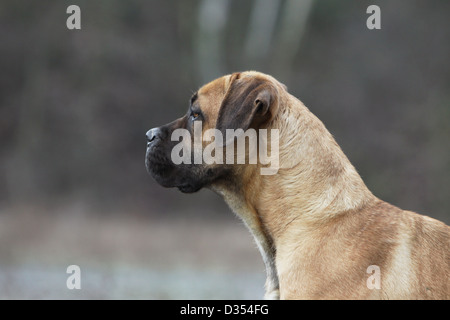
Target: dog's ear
[[248, 103]]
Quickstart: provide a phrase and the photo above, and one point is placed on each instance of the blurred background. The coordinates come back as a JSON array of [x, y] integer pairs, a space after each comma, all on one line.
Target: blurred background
[[75, 106]]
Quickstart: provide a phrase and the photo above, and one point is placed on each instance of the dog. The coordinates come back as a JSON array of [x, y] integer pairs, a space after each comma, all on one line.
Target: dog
[[321, 233]]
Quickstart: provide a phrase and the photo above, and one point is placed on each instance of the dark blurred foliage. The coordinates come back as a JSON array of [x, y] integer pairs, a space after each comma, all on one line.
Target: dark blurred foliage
[[75, 104]]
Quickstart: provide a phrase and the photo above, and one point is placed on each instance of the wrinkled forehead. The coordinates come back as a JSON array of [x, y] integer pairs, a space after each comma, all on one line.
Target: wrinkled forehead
[[210, 98], [211, 95], [218, 88]]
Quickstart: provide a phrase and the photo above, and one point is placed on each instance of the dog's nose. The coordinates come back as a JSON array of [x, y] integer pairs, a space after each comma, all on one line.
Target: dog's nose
[[152, 134]]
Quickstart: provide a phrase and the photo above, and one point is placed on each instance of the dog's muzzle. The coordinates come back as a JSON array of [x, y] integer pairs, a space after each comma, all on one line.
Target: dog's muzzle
[[152, 135]]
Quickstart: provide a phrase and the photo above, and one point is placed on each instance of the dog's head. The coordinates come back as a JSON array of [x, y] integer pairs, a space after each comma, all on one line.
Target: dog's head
[[247, 100]]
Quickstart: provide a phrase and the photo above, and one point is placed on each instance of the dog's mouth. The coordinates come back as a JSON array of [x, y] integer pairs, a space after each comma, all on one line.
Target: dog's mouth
[[188, 188], [158, 166], [165, 172]]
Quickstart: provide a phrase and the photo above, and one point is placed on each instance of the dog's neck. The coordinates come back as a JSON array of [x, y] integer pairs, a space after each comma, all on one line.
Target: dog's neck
[[314, 175]]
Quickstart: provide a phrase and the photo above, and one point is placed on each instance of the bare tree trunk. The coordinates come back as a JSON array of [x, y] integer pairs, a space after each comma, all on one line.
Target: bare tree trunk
[[20, 174], [186, 13], [212, 19], [260, 30], [294, 18]]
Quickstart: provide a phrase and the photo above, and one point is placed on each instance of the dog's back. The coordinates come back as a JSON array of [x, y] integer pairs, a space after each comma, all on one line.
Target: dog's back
[[422, 265], [408, 250]]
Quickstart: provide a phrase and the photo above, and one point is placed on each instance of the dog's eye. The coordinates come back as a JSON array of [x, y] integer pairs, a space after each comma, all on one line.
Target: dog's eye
[[194, 115]]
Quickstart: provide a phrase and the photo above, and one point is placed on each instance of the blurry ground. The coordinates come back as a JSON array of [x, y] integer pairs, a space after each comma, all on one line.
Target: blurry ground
[[126, 255]]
